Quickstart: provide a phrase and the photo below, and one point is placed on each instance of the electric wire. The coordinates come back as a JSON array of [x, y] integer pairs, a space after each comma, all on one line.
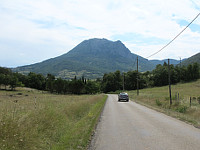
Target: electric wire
[[174, 37]]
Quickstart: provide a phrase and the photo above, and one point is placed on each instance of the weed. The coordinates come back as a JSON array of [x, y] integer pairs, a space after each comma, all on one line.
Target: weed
[[58, 121], [198, 99], [158, 103], [176, 104], [167, 98], [159, 96], [181, 108]]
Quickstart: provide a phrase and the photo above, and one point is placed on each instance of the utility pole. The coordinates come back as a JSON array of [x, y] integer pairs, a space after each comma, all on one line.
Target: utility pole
[[169, 83], [123, 81], [180, 70], [180, 61], [137, 78]]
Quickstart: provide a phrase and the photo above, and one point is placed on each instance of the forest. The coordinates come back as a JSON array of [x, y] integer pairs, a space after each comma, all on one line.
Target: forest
[[110, 82]]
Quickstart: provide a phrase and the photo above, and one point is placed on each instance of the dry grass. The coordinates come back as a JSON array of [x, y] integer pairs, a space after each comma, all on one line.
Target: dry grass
[[31, 119], [158, 98]]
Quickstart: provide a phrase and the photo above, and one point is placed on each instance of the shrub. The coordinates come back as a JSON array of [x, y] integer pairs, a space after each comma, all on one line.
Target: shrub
[[198, 99], [158, 102], [166, 98], [176, 104], [181, 109]]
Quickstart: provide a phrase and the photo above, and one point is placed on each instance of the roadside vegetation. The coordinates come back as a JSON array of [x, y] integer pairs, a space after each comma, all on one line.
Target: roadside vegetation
[[32, 119], [158, 98]]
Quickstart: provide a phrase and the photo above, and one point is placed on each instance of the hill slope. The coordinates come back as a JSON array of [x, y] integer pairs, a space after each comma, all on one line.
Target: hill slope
[[191, 60], [172, 61], [91, 58]]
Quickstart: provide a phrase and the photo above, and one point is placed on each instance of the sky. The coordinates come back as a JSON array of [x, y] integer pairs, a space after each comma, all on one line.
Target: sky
[[32, 31]]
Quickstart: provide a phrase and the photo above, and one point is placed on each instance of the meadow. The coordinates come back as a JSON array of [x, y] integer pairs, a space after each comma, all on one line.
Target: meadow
[[32, 119], [158, 98]]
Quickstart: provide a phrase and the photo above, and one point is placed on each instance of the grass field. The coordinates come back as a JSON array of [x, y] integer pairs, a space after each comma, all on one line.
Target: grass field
[[158, 98], [31, 119]]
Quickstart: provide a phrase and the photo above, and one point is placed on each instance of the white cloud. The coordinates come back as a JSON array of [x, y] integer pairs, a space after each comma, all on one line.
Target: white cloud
[[54, 27]]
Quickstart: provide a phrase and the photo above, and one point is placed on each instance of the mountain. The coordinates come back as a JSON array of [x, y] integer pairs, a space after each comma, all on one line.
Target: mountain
[[191, 60], [172, 61], [91, 58]]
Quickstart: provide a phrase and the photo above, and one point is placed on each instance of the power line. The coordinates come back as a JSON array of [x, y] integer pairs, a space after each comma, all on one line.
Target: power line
[[174, 37]]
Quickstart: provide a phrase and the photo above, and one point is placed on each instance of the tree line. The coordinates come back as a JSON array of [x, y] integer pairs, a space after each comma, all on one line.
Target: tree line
[[158, 77], [49, 83], [110, 82]]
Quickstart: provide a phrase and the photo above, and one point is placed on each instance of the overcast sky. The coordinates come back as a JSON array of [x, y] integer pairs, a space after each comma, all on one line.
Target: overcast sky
[[35, 30]]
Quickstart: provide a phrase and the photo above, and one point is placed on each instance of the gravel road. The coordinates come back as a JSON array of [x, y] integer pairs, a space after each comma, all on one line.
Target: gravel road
[[130, 126]]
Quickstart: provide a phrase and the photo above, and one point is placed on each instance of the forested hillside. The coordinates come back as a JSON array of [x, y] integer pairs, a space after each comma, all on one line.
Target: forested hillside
[[193, 59], [91, 58]]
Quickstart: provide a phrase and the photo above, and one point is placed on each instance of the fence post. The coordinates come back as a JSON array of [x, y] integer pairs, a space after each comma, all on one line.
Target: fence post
[[14, 111], [190, 101], [35, 102], [170, 95], [178, 97]]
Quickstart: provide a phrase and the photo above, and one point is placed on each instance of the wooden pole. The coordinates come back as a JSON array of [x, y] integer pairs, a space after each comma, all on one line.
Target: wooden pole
[[137, 78], [180, 70], [178, 97], [35, 103], [123, 81], [170, 96]]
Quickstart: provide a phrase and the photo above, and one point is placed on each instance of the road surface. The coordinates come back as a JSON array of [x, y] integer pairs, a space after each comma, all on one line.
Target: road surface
[[130, 126]]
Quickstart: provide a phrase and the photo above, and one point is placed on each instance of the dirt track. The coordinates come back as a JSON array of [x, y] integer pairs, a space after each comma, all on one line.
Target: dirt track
[[130, 126]]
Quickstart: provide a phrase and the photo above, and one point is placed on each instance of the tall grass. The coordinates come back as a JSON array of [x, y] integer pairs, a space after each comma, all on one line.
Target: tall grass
[[158, 98], [31, 119]]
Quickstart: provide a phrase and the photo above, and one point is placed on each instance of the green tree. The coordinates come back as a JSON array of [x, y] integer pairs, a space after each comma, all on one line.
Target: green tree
[[5, 71], [108, 83], [147, 77], [59, 85], [118, 80], [195, 71], [22, 78], [111, 82], [6, 81], [49, 82], [66, 87], [91, 87], [2, 78], [189, 75], [13, 82], [131, 80], [36, 81], [76, 86], [160, 75]]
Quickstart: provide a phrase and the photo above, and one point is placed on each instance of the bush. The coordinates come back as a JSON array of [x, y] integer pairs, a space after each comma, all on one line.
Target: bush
[[176, 104], [158, 103], [198, 99], [166, 98], [181, 109]]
